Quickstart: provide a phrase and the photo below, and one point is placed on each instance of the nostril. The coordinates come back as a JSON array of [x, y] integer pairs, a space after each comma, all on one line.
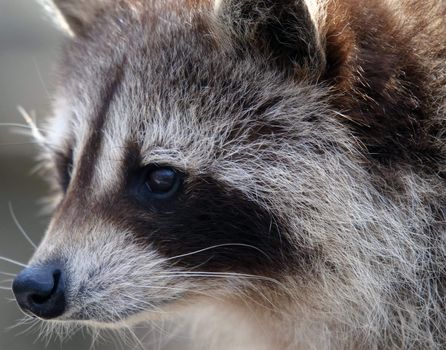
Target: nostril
[[43, 296], [39, 299]]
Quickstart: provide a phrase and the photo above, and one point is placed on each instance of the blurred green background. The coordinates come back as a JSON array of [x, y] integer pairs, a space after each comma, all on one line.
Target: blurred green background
[[29, 44]]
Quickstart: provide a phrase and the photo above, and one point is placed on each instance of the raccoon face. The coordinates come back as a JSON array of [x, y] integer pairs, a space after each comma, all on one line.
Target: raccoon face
[[187, 144]]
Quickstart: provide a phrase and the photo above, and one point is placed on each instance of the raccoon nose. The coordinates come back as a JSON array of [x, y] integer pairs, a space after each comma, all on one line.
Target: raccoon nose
[[40, 290]]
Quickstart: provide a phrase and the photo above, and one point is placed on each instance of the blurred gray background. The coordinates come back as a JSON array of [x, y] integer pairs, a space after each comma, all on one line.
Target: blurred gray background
[[29, 44]]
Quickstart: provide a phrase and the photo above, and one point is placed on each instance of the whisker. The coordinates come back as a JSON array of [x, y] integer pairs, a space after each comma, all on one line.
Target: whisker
[[156, 309], [6, 288], [19, 143], [8, 274], [185, 290], [17, 223], [217, 274], [12, 261], [21, 322], [16, 125], [28, 329], [94, 337], [42, 82], [219, 246], [135, 338]]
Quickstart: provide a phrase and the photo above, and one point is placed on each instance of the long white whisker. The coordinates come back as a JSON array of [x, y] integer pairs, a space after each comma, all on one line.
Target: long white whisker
[[42, 82], [156, 309], [219, 246], [16, 125], [217, 274], [12, 261], [94, 337], [8, 274], [28, 329], [17, 223], [134, 338], [19, 143], [182, 289], [22, 322]]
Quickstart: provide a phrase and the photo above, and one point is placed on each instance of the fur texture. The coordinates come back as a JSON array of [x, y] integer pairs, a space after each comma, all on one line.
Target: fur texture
[[310, 135]]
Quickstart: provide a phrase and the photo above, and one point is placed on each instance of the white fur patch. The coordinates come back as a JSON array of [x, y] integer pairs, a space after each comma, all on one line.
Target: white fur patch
[[58, 127]]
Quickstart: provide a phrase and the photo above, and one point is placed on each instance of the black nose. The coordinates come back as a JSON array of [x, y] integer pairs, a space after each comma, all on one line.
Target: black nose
[[40, 290]]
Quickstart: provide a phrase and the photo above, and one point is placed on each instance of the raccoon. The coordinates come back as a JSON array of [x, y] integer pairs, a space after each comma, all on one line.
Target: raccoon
[[266, 174]]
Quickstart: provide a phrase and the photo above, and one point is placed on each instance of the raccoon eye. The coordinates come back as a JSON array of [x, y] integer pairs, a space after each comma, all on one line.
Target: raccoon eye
[[64, 167], [162, 182]]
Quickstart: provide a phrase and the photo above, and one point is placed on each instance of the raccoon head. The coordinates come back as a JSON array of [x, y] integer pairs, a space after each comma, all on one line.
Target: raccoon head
[[195, 156]]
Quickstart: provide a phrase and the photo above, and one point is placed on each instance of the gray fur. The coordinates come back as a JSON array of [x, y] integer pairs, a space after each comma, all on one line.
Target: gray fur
[[368, 235]]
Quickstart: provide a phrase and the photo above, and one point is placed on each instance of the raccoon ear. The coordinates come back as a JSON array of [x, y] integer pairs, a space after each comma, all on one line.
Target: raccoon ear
[[73, 16], [283, 30]]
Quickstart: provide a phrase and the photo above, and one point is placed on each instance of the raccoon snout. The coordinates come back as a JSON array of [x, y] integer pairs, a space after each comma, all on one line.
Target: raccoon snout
[[40, 290]]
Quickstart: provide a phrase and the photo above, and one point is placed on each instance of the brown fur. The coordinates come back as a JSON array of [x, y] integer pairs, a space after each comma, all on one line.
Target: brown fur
[[310, 140], [382, 65]]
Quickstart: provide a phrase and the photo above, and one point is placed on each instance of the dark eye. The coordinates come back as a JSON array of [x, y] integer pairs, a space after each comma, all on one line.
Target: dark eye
[[64, 166], [162, 182]]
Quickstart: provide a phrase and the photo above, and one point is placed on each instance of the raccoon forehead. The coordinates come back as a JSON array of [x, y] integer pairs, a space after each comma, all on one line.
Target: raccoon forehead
[[185, 124], [177, 107]]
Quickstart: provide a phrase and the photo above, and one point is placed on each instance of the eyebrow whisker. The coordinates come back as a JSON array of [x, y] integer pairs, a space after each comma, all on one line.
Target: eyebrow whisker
[[36, 132]]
